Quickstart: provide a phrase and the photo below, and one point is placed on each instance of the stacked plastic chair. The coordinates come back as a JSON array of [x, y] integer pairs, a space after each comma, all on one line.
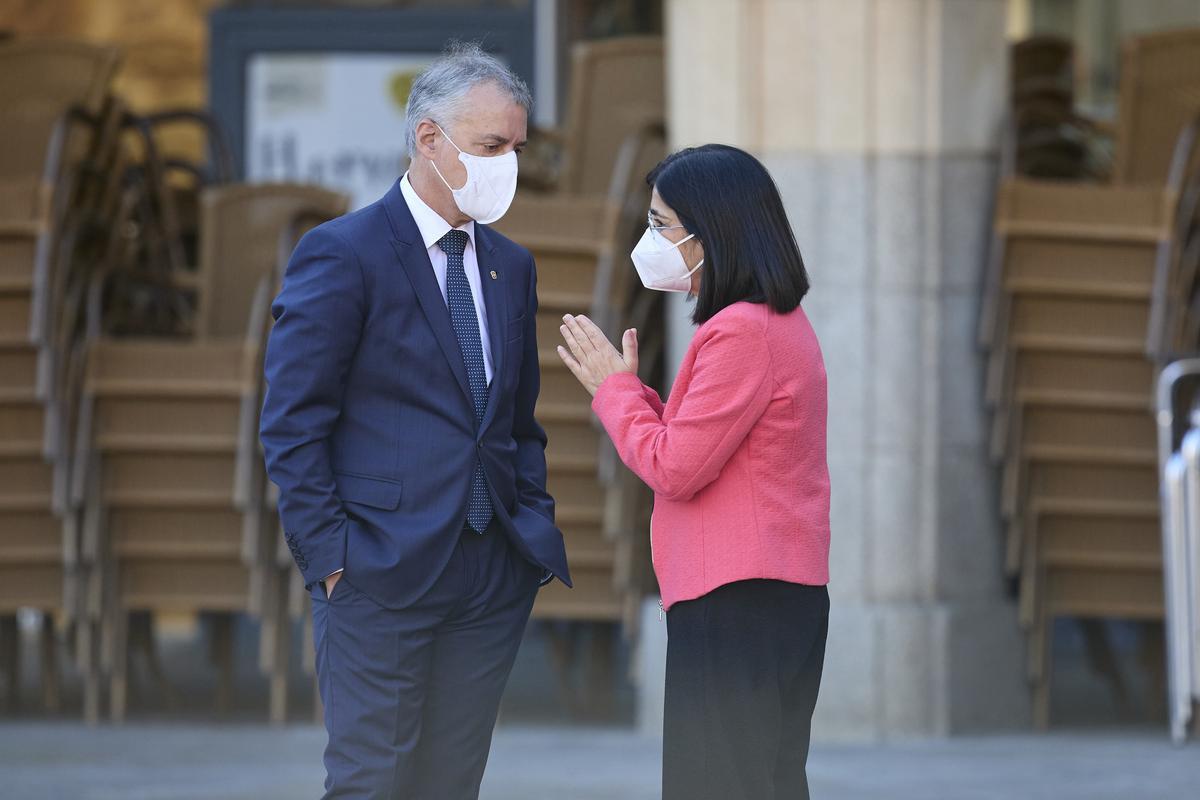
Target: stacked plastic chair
[[53, 94], [168, 469], [580, 233], [1072, 293]]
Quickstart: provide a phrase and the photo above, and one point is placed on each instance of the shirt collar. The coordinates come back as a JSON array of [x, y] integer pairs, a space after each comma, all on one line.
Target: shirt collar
[[429, 222]]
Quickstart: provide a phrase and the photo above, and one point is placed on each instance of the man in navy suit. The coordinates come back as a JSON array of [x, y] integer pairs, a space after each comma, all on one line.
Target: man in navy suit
[[398, 423]]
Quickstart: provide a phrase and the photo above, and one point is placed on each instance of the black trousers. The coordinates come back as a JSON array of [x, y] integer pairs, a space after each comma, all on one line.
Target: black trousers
[[411, 695], [743, 670]]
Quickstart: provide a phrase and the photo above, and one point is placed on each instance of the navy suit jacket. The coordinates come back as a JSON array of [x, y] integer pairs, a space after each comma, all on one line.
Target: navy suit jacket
[[368, 424]]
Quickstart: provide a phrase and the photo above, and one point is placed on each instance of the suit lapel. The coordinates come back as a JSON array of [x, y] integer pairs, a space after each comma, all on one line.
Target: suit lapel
[[495, 300], [415, 261]]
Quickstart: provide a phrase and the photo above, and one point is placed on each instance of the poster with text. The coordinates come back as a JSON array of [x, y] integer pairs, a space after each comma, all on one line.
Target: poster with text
[[334, 119]]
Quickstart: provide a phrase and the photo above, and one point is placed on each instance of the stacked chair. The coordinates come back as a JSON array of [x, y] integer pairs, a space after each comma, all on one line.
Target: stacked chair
[[54, 95], [135, 289], [1073, 319], [580, 230], [168, 472], [580, 219]]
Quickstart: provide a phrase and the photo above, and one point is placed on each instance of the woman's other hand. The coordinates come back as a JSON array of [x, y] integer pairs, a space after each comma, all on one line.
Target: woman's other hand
[[591, 357]]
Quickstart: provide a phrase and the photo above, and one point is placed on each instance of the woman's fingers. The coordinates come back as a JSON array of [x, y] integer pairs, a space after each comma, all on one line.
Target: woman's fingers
[[571, 363], [578, 340], [601, 353], [594, 335], [573, 342], [572, 324]]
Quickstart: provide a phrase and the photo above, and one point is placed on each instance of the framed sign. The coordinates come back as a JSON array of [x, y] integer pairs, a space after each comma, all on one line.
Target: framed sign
[[317, 95]]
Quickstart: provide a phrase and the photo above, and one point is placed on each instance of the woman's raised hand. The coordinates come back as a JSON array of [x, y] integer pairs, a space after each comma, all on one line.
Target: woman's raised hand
[[591, 357]]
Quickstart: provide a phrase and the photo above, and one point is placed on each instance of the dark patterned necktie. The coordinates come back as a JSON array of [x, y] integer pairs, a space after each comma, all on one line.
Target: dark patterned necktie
[[466, 328]]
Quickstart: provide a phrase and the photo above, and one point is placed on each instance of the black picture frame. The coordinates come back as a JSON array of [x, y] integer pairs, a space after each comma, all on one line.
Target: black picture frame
[[238, 33]]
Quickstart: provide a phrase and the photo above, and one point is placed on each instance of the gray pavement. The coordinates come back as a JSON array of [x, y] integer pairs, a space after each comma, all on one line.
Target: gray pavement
[[144, 761]]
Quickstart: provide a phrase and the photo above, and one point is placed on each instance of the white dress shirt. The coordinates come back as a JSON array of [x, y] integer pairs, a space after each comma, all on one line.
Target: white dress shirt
[[433, 228]]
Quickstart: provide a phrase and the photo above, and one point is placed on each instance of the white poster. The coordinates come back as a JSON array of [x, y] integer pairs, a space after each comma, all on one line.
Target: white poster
[[334, 119]]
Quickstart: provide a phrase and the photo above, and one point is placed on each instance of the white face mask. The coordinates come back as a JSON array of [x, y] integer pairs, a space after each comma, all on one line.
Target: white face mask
[[490, 187], [660, 265]]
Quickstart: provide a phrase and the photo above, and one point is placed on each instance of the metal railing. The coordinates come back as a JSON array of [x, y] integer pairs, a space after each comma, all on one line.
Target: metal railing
[[1179, 467]]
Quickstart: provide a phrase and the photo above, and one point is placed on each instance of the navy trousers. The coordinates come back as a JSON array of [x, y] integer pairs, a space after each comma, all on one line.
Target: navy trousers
[[411, 695], [743, 671]]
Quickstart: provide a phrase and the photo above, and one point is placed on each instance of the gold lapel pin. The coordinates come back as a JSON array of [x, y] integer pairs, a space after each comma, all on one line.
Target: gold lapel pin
[[494, 275]]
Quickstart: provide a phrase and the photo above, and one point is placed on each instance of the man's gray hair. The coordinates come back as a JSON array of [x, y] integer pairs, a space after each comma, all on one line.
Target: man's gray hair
[[437, 92]]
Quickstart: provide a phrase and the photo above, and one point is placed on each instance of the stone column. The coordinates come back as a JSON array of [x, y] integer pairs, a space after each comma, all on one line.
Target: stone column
[[879, 120]]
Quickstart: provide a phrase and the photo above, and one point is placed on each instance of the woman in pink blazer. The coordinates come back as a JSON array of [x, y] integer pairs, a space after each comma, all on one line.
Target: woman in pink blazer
[[736, 459]]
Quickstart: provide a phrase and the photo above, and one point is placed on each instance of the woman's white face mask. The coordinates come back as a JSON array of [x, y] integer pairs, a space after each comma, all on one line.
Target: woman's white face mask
[[659, 263], [490, 187]]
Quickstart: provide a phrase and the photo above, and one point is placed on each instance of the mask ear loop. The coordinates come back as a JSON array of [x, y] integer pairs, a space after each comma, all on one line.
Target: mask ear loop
[[681, 241], [676, 245], [439, 172]]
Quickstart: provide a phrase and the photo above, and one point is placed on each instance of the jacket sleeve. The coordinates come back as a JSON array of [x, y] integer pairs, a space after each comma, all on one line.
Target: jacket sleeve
[[730, 388], [319, 317], [527, 433], [653, 400]]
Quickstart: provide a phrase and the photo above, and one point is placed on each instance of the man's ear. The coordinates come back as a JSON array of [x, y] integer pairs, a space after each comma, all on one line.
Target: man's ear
[[427, 133]]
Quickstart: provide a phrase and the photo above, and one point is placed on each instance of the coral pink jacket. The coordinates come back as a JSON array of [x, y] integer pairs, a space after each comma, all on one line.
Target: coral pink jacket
[[736, 458]]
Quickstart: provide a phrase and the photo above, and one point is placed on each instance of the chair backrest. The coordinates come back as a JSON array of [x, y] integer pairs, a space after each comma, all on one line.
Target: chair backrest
[[240, 226], [616, 89], [39, 80], [1159, 94]]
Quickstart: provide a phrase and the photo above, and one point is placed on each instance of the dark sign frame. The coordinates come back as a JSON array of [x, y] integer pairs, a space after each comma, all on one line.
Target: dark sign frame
[[236, 34]]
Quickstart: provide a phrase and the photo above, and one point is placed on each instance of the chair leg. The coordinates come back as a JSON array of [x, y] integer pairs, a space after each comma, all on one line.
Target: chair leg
[[600, 673], [89, 654], [1153, 659], [51, 686], [281, 660], [222, 657], [119, 680], [279, 694], [310, 665], [1043, 683], [563, 640], [143, 640], [1103, 661], [10, 662]]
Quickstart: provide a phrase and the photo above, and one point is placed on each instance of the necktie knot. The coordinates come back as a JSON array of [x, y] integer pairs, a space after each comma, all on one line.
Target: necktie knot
[[454, 243]]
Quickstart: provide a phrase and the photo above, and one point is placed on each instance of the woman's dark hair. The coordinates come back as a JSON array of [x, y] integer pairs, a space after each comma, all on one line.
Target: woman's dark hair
[[727, 199]]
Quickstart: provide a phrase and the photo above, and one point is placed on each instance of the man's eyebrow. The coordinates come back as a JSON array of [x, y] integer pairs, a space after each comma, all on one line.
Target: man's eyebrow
[[493, 137]]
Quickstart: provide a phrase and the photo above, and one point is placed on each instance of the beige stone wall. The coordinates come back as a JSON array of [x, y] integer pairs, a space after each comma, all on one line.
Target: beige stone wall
[[882, 76]]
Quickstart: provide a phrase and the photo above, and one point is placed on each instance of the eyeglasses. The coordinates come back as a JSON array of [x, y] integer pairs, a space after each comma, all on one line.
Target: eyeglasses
[[650, 224]]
